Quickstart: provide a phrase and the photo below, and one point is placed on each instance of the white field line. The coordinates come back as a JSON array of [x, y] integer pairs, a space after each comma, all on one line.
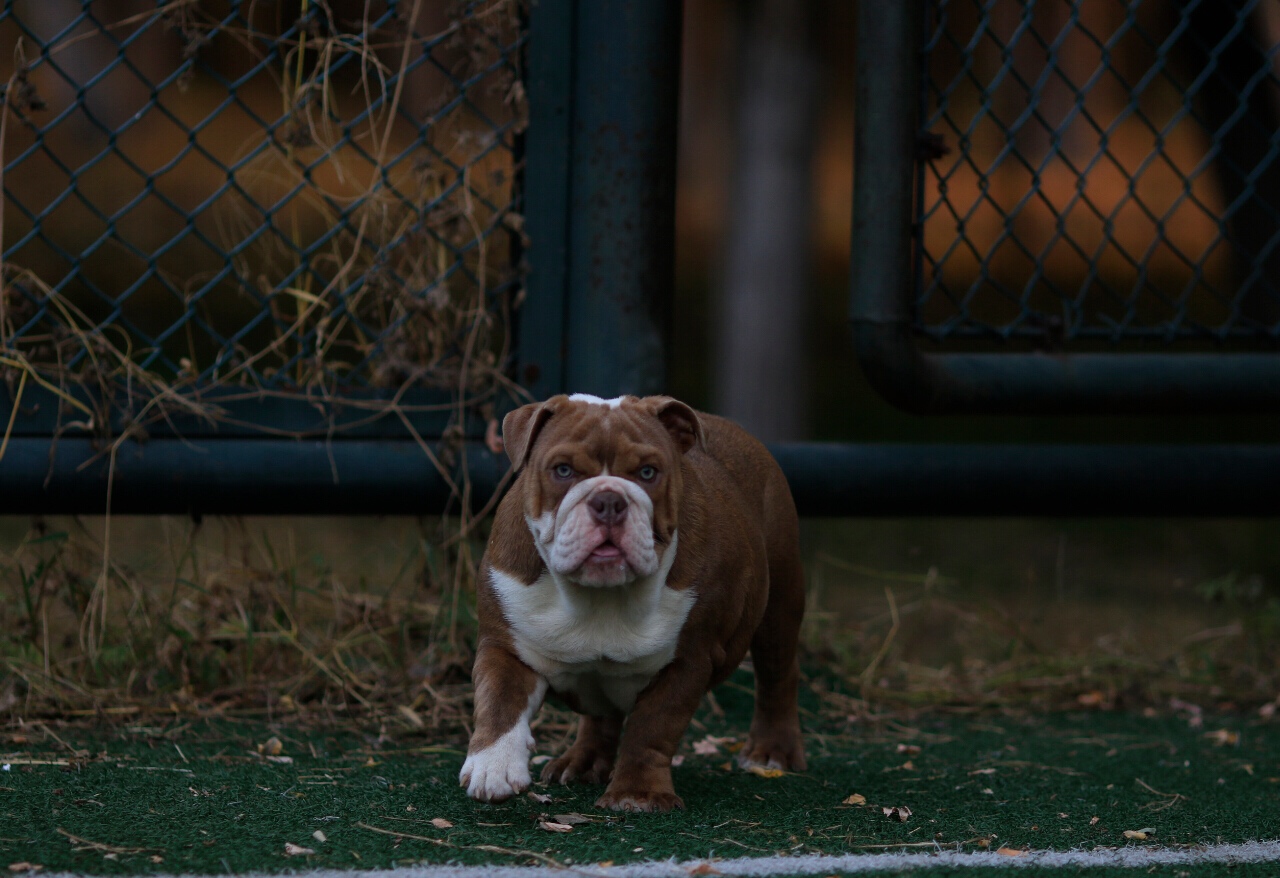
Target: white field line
[[758, 867]]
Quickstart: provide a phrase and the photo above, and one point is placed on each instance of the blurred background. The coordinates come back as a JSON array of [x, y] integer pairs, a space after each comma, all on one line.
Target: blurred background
[[128, 228]]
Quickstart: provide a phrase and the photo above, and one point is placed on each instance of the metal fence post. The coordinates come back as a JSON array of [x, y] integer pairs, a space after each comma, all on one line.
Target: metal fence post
[[600, 195]]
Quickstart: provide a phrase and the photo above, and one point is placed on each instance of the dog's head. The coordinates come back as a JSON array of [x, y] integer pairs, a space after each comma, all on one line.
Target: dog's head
[[602, 481]]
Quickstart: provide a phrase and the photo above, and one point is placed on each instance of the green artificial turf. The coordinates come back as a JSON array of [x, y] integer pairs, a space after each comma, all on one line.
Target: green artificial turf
[[199, 797]]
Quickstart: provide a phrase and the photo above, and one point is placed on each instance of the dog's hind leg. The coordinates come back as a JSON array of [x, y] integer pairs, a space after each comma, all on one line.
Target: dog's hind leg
[[775, 740], [590, 759]]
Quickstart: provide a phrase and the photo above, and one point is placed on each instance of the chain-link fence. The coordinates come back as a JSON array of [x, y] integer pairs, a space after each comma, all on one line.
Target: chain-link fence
[[1111, 172], [212, 201]]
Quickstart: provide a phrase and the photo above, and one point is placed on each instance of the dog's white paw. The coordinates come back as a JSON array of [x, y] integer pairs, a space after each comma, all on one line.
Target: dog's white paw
[[500, 770]]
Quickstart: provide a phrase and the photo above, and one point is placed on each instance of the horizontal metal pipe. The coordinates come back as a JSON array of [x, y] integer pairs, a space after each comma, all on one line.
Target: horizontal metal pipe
[[1066, 384], [1033, 480], [359, 477]]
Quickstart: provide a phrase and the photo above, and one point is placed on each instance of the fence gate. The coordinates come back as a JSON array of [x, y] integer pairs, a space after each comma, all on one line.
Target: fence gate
[[300, 257], [273, 257], [1092, 189]]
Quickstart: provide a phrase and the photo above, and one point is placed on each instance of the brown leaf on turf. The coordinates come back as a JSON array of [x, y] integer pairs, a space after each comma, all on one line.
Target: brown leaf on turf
[[909, 749], [855, 799], [441, 823], [677, 761], [540, 798], [296, 850], [571, 819], [897, 812], [1093, 821], [1091, 699], [319, 836], [765, 771], [24, 866], [704, 869], [552, 826], [157, 859], [1139, 834], [272, 747], [1011, 852], [705, 748]]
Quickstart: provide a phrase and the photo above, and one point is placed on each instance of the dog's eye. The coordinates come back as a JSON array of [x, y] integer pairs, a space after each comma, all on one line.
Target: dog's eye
[[563, 471], [647, 473]]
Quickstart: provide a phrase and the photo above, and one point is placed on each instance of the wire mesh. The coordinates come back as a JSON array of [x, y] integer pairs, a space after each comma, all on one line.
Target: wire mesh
[[1105, 172], [311, 198]]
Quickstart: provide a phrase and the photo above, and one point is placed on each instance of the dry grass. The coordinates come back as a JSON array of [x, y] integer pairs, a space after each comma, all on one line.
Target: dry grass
[[359, 618], [234, 616]]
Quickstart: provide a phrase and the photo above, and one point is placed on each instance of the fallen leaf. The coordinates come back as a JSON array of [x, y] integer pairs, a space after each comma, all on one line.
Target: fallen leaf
[[765, 771], [295, 850], [283, 760], [157, 859], [982, 771], [726, 766], [24, 866], [704, 869], [1093, 821], [855, 799], [987, 791], [319, 836], [705, 748], [1091, 699], [1011, 852], [551, 826], [272, 747], [908, 766], [1223, 737], [1135, 834], [571, 819], [411, 716], [540, 798], [441, 823], [909, 749], [897, 812], [677, 761]]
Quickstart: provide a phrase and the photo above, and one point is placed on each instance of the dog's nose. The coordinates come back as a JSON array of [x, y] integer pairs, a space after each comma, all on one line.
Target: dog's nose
[[608, 507]]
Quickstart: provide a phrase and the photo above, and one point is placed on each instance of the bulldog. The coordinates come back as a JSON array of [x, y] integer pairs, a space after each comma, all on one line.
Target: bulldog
[[643, 548]]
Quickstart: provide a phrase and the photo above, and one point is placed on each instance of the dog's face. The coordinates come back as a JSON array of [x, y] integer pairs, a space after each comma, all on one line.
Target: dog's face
[[603, 481]]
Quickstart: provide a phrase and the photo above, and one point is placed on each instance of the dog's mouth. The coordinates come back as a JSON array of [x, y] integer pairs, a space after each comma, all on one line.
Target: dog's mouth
[[606, 553]]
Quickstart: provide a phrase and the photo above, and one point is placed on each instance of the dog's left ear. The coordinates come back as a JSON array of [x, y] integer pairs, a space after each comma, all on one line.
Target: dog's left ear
[[681, 422]]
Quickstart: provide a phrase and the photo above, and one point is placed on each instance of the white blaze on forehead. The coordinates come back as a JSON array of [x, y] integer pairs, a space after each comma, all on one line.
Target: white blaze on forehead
[[595, 400]]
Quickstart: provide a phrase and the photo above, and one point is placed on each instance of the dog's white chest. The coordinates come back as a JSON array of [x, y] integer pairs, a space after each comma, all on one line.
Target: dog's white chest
[[603, 645]]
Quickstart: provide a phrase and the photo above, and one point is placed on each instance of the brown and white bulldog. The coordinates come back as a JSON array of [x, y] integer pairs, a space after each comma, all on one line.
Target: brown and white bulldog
[[642, 549]]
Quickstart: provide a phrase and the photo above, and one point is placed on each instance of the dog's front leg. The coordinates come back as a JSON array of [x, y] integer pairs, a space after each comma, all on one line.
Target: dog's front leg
[[642, 774], [508, 693]]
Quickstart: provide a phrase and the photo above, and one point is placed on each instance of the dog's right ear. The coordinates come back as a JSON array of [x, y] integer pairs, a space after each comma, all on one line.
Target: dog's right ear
[[521, 427]]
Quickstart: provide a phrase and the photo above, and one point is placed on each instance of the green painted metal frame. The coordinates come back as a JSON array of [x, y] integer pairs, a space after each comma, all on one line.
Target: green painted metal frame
[[886, 132]]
